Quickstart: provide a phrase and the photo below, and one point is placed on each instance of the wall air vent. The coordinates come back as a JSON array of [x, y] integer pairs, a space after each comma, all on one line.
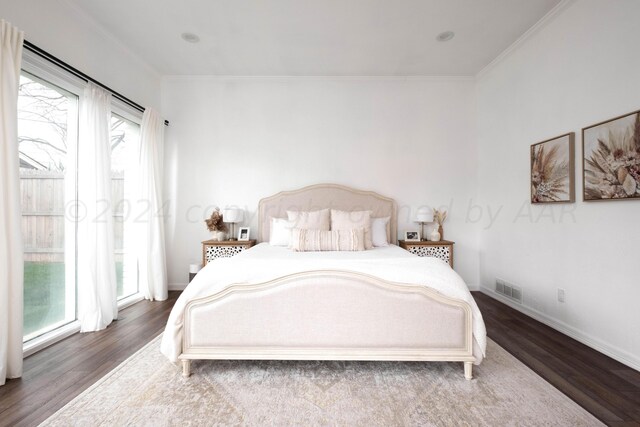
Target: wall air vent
[[509, 290]]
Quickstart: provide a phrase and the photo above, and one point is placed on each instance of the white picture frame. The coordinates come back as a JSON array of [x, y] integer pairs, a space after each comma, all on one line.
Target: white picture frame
[[244, 234], [411, 236]]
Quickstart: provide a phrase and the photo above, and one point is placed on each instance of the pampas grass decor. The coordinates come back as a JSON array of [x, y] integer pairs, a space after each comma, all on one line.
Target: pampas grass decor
[[439, 217], [215, 222]]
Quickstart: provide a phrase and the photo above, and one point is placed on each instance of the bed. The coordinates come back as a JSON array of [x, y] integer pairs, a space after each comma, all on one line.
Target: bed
[[272, 303]]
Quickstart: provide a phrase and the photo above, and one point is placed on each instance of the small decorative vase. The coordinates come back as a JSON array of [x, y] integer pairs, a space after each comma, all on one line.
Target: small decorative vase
[[441, 231], [219, 236], [435, 235]]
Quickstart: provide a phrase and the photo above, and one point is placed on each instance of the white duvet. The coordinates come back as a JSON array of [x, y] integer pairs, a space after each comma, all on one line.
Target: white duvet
[[264, 262]]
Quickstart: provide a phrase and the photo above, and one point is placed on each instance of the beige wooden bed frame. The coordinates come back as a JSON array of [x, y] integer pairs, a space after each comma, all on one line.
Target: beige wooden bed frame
[[419, 323]]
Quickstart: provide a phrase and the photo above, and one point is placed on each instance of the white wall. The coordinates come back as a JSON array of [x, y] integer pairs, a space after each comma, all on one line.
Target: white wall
[[233, 141], [67, 33], [579, 69]]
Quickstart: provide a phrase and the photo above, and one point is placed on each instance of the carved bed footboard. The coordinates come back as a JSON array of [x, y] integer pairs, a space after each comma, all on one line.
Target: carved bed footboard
[[328, 315]]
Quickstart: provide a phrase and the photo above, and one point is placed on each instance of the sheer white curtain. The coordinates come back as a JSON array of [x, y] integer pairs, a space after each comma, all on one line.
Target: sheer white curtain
[[149, 218], [11, 255], [97, 300]]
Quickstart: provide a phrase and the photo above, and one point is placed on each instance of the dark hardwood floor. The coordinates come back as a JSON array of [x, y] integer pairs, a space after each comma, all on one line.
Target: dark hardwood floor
[[606, 388], [54, 376], [57, 374]]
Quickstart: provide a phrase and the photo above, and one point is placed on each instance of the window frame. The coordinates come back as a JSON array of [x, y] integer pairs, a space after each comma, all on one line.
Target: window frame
[[48, 77], [125, 111], [48, 72]]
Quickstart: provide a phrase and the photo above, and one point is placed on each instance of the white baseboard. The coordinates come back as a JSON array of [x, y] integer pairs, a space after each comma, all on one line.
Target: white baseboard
[[177, 286], [616, 353], [473, 286]]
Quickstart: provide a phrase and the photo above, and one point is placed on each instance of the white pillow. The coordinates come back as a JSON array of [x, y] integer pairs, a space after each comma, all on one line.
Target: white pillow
[[379, 231], [325, 240], [344, 220], [280, 234], [314, 220]]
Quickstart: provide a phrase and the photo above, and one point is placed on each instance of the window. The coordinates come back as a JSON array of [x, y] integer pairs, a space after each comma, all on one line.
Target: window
[[48, 106], [125, 136], [47, 128]]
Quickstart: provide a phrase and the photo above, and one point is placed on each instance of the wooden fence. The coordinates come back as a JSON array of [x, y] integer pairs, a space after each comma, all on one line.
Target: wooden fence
[[43, 215]]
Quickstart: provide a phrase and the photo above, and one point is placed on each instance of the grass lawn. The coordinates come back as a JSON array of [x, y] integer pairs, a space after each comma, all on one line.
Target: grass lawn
[[44, 294]]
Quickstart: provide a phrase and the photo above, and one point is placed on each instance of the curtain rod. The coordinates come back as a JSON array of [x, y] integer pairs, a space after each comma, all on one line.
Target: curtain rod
[[60, 63]]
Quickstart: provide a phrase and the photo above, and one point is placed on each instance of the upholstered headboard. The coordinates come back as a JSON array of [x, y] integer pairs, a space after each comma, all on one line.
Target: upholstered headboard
[[323, 196]]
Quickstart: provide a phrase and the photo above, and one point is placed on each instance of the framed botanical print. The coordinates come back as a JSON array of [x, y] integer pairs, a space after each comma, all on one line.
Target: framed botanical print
[[611, 159], [553, 170]]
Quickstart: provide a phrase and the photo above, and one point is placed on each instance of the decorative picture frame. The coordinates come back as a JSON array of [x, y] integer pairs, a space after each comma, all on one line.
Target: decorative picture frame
[[611, 159], [244, 234], [411, 236], [552, 169]]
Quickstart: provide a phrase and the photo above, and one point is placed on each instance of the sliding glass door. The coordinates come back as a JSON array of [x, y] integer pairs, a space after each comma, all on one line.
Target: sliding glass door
[[48, 107], [47, 130], [125, 138]]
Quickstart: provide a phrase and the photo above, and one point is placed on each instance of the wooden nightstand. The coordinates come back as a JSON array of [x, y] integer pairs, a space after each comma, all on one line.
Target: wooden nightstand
[[442, 249], [212, 249]]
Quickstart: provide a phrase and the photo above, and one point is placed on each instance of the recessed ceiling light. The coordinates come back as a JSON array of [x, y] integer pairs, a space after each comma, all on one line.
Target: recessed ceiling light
[[190, 37], [445, 36]]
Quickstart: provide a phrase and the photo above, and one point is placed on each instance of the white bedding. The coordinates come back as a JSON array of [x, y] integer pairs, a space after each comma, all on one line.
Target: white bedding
[[264, 262]]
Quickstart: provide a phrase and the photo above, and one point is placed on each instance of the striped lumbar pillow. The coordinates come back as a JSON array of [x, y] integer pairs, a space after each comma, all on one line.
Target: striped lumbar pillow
[[324, 240]]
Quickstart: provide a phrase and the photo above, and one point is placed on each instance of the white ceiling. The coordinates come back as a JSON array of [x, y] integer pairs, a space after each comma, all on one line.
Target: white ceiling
[[317, 37]]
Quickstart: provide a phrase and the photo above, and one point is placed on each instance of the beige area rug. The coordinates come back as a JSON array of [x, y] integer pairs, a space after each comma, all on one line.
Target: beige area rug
[[148, 390]]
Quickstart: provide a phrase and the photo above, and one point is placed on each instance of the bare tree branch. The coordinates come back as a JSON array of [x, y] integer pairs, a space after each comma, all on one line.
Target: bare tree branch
[[116, 140], [44, 106], [40, 141]]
